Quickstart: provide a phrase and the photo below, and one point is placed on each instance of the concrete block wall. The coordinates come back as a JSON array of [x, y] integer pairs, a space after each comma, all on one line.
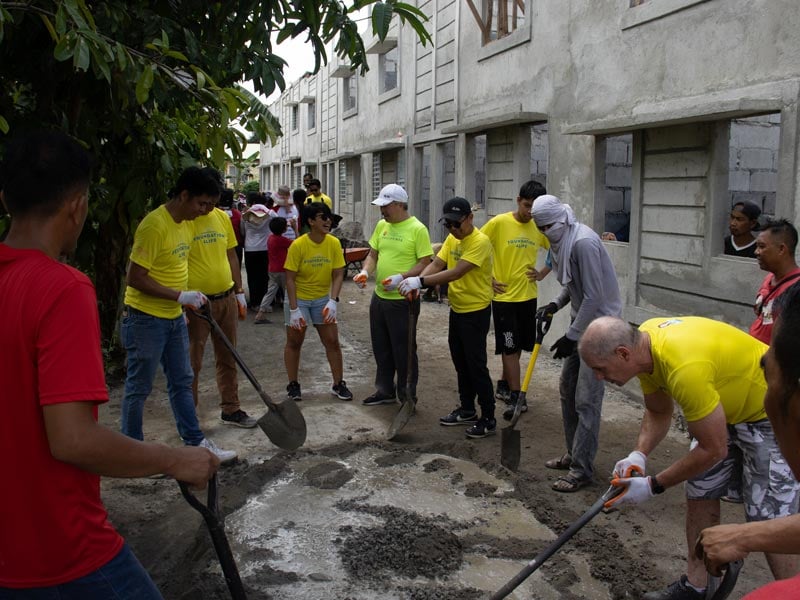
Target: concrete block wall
[[754, 154]]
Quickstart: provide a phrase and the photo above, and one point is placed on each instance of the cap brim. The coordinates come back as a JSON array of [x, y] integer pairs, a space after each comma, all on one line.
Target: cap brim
[[382, 202], [451, 216]]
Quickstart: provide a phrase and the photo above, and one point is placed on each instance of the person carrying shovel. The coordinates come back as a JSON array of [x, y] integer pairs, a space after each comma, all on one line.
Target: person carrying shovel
[[55, 537], [399, 247]]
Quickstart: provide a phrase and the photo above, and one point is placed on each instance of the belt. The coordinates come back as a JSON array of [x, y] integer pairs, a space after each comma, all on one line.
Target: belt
[[220, 296]]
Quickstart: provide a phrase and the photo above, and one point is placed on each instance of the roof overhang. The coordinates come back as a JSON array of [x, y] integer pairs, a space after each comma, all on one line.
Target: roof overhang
[[500, 119], [382, 46]]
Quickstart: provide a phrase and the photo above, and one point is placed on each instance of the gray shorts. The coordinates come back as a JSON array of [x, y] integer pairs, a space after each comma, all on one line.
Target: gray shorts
[[754, 471]]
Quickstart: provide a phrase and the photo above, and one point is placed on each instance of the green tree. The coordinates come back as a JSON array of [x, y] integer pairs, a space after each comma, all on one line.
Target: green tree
[[153, 86]]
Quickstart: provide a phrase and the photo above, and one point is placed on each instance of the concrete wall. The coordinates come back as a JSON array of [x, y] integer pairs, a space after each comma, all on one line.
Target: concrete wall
[[662, 114]]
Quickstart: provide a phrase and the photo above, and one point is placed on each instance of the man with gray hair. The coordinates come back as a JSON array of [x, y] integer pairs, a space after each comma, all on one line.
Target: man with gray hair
[[589, 285], [712, 370]]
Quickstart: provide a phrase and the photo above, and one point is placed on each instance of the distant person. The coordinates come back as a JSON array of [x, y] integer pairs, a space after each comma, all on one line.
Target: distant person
[[214, 270], [314, 275], [589, 285], [743, 221], [55, 537], [465, 264], [284, 207], [255, 226], [315, 194], [713, 371], [299, 200], [400, 247], [235, 215], [278, 247], [307, 177], [516, 243], [153, 328], [723, 544], [775, 248]]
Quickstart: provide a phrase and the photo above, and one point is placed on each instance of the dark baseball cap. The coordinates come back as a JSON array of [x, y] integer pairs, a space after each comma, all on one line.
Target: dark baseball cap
[[456, 209]]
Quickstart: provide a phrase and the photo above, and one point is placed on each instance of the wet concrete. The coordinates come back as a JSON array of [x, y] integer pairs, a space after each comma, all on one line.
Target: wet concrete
[[408, 529]]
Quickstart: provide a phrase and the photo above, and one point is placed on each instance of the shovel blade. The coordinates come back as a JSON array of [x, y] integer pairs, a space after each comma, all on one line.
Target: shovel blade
[[510, 448], [284, 425], [401, 419]]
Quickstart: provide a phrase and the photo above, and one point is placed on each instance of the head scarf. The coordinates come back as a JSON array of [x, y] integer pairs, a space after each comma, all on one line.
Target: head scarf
[[565, 231]]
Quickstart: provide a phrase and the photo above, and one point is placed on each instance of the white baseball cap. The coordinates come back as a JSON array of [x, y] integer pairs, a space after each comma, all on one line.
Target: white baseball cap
[[391, 193]]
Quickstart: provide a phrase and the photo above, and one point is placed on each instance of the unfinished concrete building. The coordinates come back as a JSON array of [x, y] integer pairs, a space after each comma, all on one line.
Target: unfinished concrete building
[[649, 117]]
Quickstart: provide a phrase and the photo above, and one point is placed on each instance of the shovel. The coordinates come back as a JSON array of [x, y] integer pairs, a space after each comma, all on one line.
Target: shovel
[[509, 437], [216, 527], [407, 409], [283, 423]]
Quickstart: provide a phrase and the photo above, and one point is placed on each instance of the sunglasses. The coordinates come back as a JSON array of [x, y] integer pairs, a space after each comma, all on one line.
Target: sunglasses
[[450, 224], [323, 216]]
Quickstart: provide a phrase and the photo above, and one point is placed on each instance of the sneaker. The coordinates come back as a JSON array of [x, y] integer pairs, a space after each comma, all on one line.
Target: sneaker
[[482, 428], [341, 392], [508, 413], [678, 590], [503, 391], [239, 419], [293, 391], [459, 417], [224, 456], [378, 398]]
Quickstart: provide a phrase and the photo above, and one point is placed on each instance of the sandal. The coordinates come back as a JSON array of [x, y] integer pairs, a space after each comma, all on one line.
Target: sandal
[[568, 484], [562, 463]]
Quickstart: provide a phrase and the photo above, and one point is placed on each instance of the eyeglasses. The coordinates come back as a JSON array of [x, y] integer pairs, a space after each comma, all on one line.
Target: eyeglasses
[[323, 216], [450, 224]]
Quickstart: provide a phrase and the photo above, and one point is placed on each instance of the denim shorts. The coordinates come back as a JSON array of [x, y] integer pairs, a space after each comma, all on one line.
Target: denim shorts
[[754, 470], [311, 309]]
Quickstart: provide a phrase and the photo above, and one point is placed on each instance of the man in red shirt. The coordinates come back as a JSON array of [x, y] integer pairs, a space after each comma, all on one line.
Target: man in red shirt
[[775, 247], [55, 538]]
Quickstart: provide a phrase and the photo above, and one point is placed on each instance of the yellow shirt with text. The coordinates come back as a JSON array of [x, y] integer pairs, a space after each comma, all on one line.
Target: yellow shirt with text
[[473, 291], [209, 267], [702, 363], [161, 246], [314, 264]]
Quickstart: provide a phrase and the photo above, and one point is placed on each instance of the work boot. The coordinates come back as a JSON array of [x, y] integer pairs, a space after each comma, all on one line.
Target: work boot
[[482, 428], [293, 391], [508, 413], [239, 419], [678, 590], [503, 391], [224, 456]]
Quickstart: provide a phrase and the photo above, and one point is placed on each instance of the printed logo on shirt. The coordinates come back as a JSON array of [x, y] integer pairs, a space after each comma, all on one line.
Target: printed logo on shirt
[[669, 322], [520, 242], [181, 250]]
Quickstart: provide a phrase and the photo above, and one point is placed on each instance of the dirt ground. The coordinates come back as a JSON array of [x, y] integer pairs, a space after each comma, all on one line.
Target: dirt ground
[[633, 551]]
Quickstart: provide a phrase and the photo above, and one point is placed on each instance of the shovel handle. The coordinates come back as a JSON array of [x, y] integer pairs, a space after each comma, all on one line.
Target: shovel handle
[[216, 528], [725, 587]]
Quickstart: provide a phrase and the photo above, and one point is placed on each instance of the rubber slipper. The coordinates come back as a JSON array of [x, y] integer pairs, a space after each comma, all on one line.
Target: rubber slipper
[[569, 484], [562, 463]]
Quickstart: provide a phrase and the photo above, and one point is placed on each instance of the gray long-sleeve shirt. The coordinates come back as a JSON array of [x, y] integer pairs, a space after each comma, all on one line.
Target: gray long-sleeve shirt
[[593, 291]]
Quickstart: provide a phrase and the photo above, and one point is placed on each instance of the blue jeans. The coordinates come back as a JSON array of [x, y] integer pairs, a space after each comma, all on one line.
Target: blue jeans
[[149, 341], [121, 578], [581, 403]]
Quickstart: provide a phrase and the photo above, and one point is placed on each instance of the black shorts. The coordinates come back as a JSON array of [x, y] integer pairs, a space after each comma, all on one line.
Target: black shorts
[[514, 326]]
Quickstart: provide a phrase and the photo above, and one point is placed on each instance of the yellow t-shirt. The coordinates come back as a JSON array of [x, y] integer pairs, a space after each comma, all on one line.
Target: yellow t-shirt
[[473, 291], [516, 248], [209, 268], [321, 198], [161, 246], [399, 246], [314, 264], [702, 363]]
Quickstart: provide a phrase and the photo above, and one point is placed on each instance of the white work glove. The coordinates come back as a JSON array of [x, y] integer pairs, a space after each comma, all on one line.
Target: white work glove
[[390, 283], [633, 463], [242, 301], [296, 320], [361, 278], [192, 299], [410, 287], [637, 490], [329, 312]]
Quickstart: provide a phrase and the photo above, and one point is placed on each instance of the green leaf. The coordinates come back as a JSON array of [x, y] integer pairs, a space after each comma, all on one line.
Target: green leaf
[[143, 85], [381, 19], [176, 55], [61, 20], [48, 25], [101, 63], [81, 56], [64, 48], [4, 128], [75, 13], [86, 13], [201, 79]]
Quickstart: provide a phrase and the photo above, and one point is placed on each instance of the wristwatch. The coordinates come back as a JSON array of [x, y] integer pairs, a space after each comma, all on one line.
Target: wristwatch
[[656, 487]]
